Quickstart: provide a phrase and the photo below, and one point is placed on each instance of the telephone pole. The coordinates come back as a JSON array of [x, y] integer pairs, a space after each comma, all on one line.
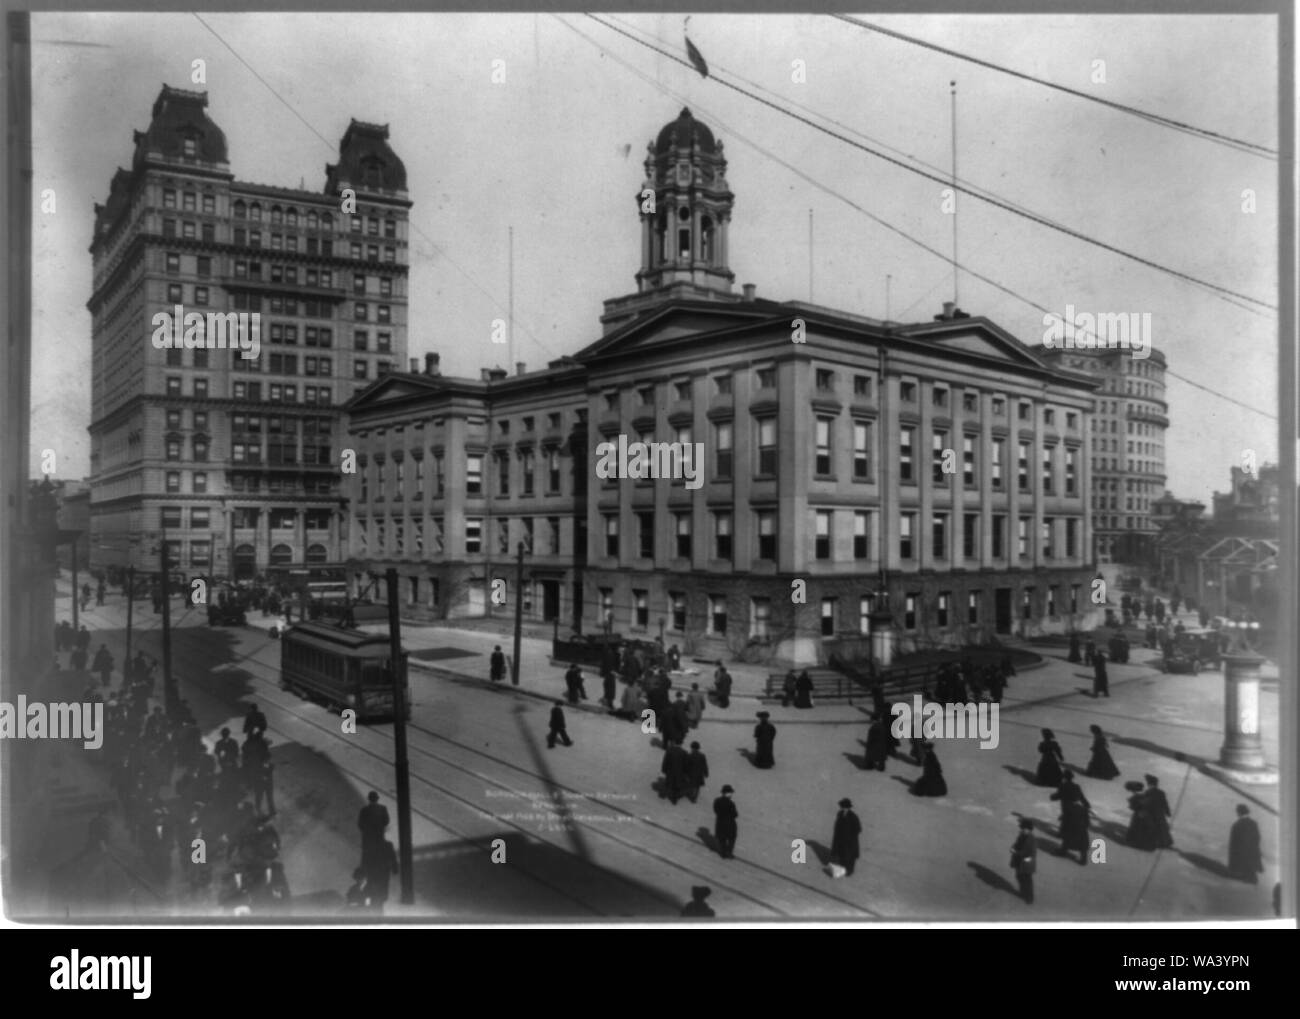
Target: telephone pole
[[519, 612], [402, 766]]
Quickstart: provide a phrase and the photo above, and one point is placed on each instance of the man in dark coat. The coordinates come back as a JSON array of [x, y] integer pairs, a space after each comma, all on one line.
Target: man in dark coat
[[1158, 808], [1245, 862], [558, 730], [1100, 680], [373, 822], [497, 665], [724, 825], [572, 683], [697, 772], [608, 689], [1074, 655], [788, 688], [672, 722], [877, 744], [1024, 859], [722, 686], [844, 840], [254, 721], [674, 769], [931, 782], [380, 868], [103, 664], [681, 713], [764, 738], [227, 750]]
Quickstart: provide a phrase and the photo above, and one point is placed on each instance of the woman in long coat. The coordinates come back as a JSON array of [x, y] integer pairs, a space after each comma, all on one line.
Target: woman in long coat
[[1245, 862], [1141, 832], [1101, 764], [803, 688], [764, 737], [1074, 817], [1049, 763], [931, 782], [877, 745]]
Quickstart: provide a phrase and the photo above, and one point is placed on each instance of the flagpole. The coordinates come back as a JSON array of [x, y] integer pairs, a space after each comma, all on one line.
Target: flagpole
[[810, 256], [510, 286], [953, 84]]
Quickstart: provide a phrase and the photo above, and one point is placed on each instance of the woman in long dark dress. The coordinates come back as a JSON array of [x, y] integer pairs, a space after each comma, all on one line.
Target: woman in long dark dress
[[803, 689], [1074, 817], [931, 782], [1049, 761], [1141, 832], [877, 745], [1101, 764], [764, 737]]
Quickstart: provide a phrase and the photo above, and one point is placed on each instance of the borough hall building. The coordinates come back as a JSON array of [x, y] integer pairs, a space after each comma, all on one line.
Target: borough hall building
[[936, 471]]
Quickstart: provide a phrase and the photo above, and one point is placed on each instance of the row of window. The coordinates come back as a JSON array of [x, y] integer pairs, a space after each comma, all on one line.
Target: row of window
[[940, 613], [276, 215], [275, 392], [373, 536], [288, 484], [863, 528]]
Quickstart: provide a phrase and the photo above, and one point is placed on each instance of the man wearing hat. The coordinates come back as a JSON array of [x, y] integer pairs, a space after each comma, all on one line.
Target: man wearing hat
[[764, 737], [1024, 859], [697, 770], [227, 750], [697, 906], [724, 827], [373, 822], [674, 768], [844, 841], [558, 729], [1158, 808]]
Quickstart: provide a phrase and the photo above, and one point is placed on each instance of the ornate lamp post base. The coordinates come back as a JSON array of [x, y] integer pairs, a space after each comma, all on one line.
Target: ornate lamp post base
[[1241, 758]]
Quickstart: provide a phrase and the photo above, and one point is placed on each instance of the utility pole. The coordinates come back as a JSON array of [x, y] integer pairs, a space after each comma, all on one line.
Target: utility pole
[[170, 700], [398, 672], [130, 603], [519, 612]]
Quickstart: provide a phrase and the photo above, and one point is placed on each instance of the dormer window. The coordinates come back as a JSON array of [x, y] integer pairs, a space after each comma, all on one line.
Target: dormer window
[[189, 147]]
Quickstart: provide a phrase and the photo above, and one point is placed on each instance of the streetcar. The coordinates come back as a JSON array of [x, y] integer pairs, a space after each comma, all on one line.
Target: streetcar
[[342, 668]]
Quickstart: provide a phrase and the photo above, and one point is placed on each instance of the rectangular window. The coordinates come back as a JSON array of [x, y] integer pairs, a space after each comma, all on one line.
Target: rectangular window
[[171, 517], [998, 445], [824, 379], [722, 385], [611, 534], [473, 475], [722, 535], [1047, 469], [939, 397], [722, 440], [1023, 466], [866, 605], [968, 460], [641, 608], [683, 529], [1051, 601], [1071, 477], [717, 615], [766, 446], [909, 611], [941, 605], [861, 451], [822, 462], [173, 481], [999, 526], [766, 534], [828, 617], [906, 523], [823, 542], [1027, 603], [677, 610], [862, 386], [907, 392], [973, 608], [503, 473], [970, 535], [1022, 536], [1071, 539], [645, 533], [970, 402], [938, 451], [760, 617], [861, 534], [473, 535], [940, 533], [766, 378], [905, 454]]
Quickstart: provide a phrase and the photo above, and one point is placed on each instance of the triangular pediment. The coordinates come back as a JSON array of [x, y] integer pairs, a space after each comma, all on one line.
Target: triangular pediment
[[394, 388], [975, 336], [673, 322]]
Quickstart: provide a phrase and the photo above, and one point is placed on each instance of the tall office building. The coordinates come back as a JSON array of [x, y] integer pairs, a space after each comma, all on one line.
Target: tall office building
[[236, 459], [1126, 447]]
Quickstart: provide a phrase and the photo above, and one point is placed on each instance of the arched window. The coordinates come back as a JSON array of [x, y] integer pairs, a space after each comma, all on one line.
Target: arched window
[[245, 562], [326, 221], [255, 212], [706, 239], [291, 217], [281, 555], [317, 554], [240, 210], [313, 220], [277, 214]]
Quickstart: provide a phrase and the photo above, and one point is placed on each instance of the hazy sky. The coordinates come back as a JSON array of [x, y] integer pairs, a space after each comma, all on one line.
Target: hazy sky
[[556, 151]]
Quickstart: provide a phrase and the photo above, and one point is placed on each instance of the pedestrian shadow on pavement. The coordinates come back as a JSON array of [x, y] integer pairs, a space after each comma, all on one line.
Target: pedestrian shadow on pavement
[[707, 838], [859, 761], [823, 853], [1215, 867], [910, 783], [993, 879], [1028, 776]]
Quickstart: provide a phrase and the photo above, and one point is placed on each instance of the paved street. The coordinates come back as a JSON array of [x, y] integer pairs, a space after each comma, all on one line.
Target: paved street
[[586, 835]]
